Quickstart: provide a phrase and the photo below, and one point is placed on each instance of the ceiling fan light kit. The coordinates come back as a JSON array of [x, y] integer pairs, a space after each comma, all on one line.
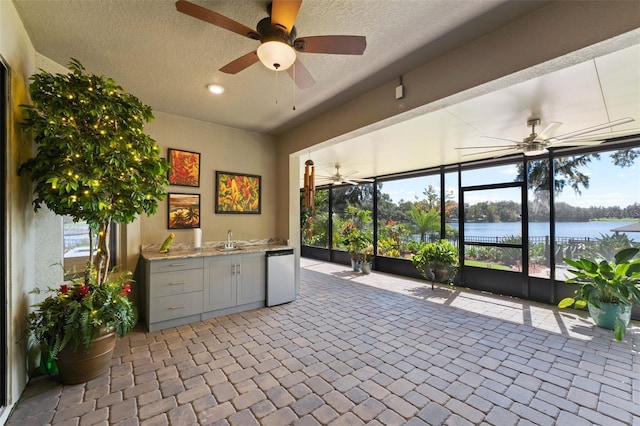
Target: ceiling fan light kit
[[534, 148], [276, 55]]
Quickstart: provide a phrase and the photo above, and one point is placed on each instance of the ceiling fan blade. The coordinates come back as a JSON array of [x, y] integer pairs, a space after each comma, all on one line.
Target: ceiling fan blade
[[500, 139], [574, 142], [599, 136], [548, 130], [284, 13], [592, 129], [490, 146], [216, 19], [349, 181], [362, 179], [493, 150], [342, 45], [301, 75], [241, 63]]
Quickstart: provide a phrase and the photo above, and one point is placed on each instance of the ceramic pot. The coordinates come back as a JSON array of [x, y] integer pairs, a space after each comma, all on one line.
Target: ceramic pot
[[356, 265], [80, 366], [441, 273], [366, 267], [605, 316]]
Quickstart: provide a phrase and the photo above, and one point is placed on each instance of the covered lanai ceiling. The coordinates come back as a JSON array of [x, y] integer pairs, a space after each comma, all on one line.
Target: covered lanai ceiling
[[599, 90], [167, 59]]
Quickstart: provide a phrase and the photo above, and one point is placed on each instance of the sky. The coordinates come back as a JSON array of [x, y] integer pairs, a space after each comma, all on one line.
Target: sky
[[609, 185]]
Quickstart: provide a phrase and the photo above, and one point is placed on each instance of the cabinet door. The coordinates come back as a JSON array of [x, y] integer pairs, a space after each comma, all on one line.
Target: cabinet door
[[220, 285], [251, 278]]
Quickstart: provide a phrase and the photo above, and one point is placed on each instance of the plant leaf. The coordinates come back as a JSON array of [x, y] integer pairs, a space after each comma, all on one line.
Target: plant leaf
[[580, 304], [566, 302], [625, 255], [619, 329]]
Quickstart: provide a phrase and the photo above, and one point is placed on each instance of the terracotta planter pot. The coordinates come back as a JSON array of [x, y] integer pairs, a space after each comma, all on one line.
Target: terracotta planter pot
[[80, 366]]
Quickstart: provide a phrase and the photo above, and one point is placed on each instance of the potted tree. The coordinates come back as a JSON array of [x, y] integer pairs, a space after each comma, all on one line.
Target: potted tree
[[608, 289], [355, 243], [353, 238], [436, 261], [94, 163]]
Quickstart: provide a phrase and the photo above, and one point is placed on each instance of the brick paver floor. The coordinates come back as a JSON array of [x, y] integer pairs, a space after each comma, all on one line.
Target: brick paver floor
[[361, 349]]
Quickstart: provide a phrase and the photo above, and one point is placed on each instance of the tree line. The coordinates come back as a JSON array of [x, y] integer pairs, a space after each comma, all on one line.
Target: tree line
[[509, 211]]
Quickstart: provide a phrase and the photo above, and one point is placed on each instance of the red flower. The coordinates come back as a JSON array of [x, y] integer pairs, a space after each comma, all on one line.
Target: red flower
[[64, 289], [82, 291], [126, 289]]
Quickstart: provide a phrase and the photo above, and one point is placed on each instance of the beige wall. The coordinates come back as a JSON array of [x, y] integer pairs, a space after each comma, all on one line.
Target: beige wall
[[221, 148], [534, 45], [18, 54]]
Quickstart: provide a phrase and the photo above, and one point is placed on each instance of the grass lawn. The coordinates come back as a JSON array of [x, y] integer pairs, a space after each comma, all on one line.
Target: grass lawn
[[487, 265]]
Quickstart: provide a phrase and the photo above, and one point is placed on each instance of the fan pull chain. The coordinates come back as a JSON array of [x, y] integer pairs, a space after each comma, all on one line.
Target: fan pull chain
[[277, 86], [293, 81]]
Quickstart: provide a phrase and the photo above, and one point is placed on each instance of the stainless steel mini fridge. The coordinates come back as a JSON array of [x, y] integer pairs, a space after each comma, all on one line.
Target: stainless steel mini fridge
[[281, 277]]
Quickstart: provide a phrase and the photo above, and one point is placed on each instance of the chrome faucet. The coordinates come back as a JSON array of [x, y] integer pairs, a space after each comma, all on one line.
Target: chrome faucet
[[229, 244]]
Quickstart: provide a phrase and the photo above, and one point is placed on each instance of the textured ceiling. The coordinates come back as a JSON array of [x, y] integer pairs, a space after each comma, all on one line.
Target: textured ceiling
[[167, 58]]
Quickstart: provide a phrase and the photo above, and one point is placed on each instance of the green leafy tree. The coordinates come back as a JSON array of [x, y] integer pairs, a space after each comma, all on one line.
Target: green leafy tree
[[568, 170], [94, 162]]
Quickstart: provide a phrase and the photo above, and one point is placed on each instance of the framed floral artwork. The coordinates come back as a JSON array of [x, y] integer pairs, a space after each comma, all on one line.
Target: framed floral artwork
[[238, 193], [184, 167], [184, 211]]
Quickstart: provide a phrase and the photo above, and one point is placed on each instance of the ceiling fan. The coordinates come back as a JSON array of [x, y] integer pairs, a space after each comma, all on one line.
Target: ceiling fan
[[536, 144], [277, 36], [339, 178]]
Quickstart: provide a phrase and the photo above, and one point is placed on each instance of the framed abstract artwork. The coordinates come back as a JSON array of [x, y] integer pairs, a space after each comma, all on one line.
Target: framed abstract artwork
[[184, 211], [184, 167], [238, 193]]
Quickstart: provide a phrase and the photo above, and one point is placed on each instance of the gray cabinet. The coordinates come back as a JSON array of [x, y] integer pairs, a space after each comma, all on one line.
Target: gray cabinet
[[252, 279], [234, 281], [174, 290], [183, 290]]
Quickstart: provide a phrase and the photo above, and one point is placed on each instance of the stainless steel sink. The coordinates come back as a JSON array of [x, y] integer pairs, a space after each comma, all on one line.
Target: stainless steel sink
[[229, 248]]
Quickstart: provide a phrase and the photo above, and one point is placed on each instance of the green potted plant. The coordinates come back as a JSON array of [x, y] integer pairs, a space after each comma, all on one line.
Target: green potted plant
[[352, 237], [355, 243], [608, 289], [94, 163], [79, 315], [436, 261]]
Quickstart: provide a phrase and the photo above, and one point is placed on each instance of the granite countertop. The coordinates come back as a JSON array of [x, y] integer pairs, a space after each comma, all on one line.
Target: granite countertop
[[215, 248]]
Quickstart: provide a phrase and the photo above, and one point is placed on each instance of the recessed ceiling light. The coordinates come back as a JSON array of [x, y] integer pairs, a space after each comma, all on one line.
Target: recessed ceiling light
[[215, 88]]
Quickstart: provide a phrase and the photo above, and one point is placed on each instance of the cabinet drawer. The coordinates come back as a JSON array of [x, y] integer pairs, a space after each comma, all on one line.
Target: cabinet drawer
[[171, 307], [175, 282], [175, 264]]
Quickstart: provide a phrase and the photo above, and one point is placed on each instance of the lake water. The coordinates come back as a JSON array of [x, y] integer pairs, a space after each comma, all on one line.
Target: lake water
[[541, 229]]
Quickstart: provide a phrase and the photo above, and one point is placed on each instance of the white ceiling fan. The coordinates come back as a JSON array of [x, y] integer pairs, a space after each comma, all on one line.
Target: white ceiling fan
[[340, 178], [536, 144]]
